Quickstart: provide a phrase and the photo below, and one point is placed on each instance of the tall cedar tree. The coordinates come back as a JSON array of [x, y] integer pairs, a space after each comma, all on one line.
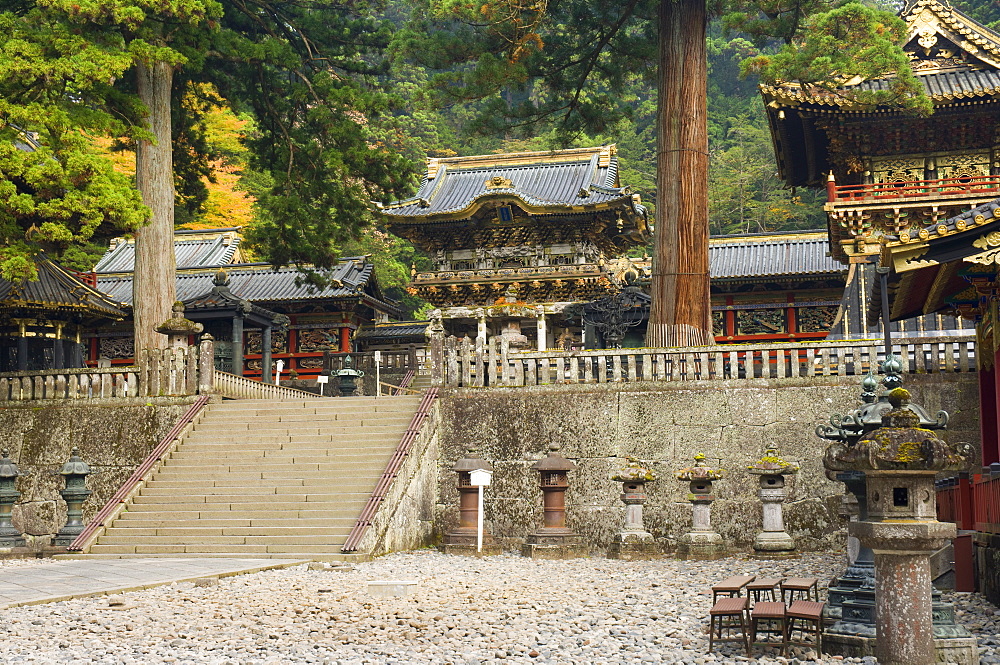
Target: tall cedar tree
[[574, 63], [120, 68]]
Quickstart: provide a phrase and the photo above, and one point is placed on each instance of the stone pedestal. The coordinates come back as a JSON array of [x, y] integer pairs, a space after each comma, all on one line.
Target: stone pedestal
[[701, 542], [10, 537], [771, 470], [633, 542]]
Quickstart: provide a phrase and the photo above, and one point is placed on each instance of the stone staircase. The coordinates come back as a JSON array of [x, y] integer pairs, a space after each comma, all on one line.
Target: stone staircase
[[264, 478]]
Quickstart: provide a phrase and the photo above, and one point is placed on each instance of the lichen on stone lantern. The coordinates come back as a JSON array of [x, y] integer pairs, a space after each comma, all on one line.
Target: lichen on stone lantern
[[771, 470], [633, 541], [702, 541], [177, 328]]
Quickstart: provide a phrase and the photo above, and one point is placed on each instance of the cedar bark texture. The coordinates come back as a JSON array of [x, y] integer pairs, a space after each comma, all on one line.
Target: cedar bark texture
[[681, 311], [153, 287]]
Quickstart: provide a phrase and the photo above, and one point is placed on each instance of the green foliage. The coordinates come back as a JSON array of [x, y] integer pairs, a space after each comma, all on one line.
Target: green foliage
[[846, 44]]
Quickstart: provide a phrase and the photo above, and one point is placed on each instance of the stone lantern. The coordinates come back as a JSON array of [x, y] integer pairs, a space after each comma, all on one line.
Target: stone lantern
[[463, 539], [900, 460], [852, 595], [701, 542], [553, 540], [9, 536], [771, 470], [75, 471], [177, 328], [348, 378], [633, 541]]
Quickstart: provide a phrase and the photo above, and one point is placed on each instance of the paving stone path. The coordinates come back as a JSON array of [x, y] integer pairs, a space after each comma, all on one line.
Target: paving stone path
[[495, 610]]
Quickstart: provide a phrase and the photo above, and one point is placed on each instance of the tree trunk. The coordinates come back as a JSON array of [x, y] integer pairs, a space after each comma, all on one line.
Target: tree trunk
[[681, 308], [153, 286]]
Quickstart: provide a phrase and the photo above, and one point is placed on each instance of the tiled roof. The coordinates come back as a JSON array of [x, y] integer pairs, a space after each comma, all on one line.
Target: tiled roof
[[57, 287], [561, 179], [390, 331], [192, 249], [763, 255], [939, 86], [257, 282]]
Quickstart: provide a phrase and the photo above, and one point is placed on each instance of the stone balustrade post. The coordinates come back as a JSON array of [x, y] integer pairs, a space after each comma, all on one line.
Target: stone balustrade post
[[206, 365]]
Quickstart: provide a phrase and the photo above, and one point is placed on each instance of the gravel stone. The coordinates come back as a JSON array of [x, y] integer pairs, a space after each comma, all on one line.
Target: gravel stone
[[463, 610]]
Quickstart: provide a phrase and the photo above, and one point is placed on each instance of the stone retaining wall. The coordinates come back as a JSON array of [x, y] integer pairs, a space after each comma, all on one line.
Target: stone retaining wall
[[114, 437], [598, 426]]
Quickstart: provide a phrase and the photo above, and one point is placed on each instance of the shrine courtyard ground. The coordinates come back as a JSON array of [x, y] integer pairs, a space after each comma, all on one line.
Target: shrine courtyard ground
[[504, 609]]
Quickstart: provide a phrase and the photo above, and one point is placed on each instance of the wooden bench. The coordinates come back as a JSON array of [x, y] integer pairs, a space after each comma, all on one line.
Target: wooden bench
[[800, 588], [731, 586], [805, 617], [769, 619], [727, 615]]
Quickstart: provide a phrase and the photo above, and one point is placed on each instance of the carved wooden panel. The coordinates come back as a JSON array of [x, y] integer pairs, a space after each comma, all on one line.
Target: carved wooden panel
[[116, 348], [897, 169], [254, 342], [319, 339], [957, 166], [816, 319], [760, 321]]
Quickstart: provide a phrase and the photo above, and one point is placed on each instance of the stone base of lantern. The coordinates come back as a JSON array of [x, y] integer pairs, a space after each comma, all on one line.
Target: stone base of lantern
[[10, 541], [463, 541], [554, 544], [960, 650], [634, 546], [773, 542], [701, 545]]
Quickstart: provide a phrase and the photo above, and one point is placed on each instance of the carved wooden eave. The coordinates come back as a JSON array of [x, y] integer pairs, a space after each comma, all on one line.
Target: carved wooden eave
[[930, 266]]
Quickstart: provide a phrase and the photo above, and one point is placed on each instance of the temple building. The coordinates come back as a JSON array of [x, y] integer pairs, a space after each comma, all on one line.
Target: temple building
[[517, 239], [887, 171], [242, 304], [43, 323]]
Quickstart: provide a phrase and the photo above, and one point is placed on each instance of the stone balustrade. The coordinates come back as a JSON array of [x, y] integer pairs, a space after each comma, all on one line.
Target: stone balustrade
[[470, 363]]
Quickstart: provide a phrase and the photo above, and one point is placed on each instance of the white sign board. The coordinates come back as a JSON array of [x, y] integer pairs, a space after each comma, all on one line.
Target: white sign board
[[322, 378], [480, 478]]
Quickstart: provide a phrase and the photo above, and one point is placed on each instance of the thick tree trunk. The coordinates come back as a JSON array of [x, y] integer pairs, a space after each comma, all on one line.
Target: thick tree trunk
[[681, 311], [153, 287]]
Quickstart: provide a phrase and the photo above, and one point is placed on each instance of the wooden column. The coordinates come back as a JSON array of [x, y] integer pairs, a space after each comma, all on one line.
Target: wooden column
[[681, 310], [238, 345], [58, 357], [345, 339], [266, 374]]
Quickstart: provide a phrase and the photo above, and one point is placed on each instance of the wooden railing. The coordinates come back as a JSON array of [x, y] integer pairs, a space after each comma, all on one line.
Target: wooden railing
[[494, 364], [365, 360], [964, 185], [954, 500], [240, 387]]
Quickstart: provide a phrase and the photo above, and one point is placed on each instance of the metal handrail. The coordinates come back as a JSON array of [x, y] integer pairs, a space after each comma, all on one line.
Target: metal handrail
[[110, 509], [391, 469]]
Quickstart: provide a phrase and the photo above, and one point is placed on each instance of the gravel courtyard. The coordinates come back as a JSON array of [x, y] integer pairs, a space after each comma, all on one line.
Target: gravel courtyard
[[504, 609]]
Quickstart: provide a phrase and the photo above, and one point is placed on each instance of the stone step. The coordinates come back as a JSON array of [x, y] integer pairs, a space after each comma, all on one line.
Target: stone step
[[252, 512], [175, 465], [329, 468], [334, 419], [234, 534], [315, 434], [162, 505], [319, 539], [346, 445], [279, 487], [303, 426], [251, 551], [349, 519], [243, 495], [337, 403], [297, 477]]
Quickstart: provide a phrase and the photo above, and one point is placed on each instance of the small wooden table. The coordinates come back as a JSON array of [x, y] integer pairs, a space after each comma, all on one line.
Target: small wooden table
[[731, 586], [800, 588]]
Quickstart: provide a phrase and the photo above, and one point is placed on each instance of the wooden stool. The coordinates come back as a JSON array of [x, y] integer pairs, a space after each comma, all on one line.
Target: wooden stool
[[768, 618], [800, 588], [728, 614], [806, 617], [764, 588], [731, 586]]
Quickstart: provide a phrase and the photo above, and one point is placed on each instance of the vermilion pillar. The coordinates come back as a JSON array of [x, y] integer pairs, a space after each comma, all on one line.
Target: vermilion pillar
[[345, 339]]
